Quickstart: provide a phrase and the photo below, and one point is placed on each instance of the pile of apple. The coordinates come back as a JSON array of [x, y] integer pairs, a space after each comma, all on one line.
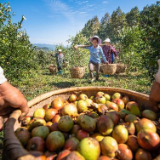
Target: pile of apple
[[102, 127]]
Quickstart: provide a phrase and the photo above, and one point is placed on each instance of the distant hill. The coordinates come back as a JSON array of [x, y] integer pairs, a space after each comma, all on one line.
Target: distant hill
[[45, 46]]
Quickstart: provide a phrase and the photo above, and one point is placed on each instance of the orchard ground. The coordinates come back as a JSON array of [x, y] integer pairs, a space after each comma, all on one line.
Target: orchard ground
[[42, 81]]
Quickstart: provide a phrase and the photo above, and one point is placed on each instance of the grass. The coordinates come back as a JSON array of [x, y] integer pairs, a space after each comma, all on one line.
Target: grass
[[41, 81]]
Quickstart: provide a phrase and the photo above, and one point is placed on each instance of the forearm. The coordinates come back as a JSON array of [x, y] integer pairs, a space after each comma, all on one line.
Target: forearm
[[5, 87], [115, 53], [103, 57], [113, 50], [83, 46]]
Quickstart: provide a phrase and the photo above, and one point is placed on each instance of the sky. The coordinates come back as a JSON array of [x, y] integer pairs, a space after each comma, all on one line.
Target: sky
[[54, 21]]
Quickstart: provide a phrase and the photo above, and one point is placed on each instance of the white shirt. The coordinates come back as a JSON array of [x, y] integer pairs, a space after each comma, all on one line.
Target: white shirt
[[2, 77]]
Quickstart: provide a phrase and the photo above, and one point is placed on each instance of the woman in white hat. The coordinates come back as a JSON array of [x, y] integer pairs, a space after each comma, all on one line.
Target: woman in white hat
[[109, 50], [96, 53], [59, 60]]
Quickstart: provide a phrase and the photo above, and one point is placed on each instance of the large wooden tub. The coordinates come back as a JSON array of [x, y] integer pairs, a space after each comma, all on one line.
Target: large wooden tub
[[12, 147]]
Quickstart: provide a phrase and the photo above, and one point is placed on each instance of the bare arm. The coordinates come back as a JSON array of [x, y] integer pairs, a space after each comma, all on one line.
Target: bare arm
[[113, 50], [82, 46]]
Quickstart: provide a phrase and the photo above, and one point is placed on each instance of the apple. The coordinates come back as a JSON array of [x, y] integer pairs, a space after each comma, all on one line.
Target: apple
[[36, 144], [46, 106], [107, 96], [26, 120], [82, 97], [39, 113], [99, 94], [72, 98], [41, 131], [101, 100], [50, 113], [113, 106], [119, 102], [48, 124], [130, 104], [125, 99], [23, 135], [133, 107], [89, 102], [82, 106], [57, 103], [56, 118], [116, 95]]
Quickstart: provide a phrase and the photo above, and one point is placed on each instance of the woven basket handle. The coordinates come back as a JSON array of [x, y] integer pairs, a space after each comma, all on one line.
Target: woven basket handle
[[11, 143]]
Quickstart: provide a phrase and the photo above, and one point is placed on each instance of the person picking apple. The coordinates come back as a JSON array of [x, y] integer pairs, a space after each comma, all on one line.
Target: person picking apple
[[59, 60], [10, 99], [108, 51], [96, 53]]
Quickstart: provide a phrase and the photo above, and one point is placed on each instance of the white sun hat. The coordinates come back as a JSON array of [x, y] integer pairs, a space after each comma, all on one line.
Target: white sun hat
[[107, 40], [59, 50]]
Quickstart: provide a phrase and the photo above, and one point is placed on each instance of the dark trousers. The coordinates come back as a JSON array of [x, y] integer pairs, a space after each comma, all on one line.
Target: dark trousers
[[59, 68], [93, 66]]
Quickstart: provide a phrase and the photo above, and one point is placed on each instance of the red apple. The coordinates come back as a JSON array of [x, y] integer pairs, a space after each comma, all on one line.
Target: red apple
[[113, 106], [36, 144], [56, 118], [57, 103], [125, 99], [99, 94], [130, 104], [119, 102], [82, 134], [46, 106], [50, 113], [23, 135], [26, 120]]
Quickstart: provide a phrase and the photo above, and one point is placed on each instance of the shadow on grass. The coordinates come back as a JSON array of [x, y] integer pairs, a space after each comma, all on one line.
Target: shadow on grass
[[49, 74], [128, 76], [63, 84]]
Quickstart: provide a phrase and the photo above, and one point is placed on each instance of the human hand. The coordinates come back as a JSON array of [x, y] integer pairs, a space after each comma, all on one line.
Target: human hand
[[10, 99], [107, 63], [75, 47], [117, 58]]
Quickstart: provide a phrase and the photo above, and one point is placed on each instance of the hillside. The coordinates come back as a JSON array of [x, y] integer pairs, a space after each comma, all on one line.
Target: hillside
[[49, 46]]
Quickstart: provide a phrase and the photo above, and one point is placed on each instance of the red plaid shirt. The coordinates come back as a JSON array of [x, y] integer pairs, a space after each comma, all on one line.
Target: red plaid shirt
[[108, 51]]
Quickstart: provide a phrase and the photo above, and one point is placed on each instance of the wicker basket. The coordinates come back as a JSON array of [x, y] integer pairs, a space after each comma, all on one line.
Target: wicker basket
[[13, 150], [52, 69], [109, 69], [65, 64], [121, 68], [77, 72]]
